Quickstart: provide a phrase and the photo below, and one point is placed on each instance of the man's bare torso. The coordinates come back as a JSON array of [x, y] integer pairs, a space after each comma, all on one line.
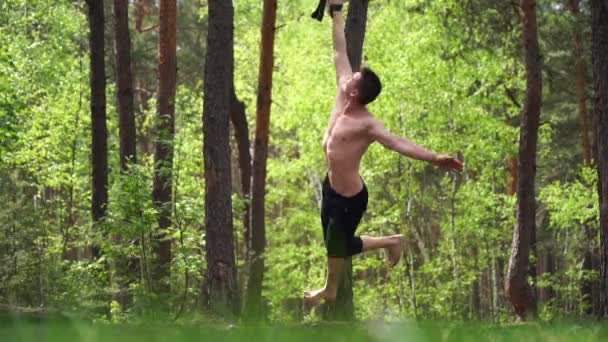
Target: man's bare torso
[[346, 141]]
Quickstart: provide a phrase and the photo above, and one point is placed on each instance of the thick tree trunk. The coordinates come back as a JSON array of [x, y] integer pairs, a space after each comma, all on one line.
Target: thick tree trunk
[[126, 268], [163, 156], [253, 303], [99, 145], [220, 290], [355, 34], [599, 14], [580, 82], [518, 289], [355, 31], [124, 83]]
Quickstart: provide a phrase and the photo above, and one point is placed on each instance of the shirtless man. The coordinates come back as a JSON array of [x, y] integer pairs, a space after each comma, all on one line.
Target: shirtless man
[[352, 128]]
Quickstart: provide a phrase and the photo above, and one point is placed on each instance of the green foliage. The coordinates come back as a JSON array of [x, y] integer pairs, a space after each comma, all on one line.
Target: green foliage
[[574, 220], [453, 81]]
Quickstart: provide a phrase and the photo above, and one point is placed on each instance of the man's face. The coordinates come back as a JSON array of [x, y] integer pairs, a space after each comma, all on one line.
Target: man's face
[[351, 87]]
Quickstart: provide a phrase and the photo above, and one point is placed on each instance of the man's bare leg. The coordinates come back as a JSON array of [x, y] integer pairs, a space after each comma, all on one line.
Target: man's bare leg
[[330, 290], [392, 243], [394, 247]]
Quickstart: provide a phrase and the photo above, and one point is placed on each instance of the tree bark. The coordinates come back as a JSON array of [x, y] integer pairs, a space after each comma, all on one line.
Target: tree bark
[[99, 143], [253, 303], [238, 117], [599, 51], [580, 81], [356, 23], [220, 290], [124, 83], [126, 267], [519, 291], [589, 288], [163, 157]]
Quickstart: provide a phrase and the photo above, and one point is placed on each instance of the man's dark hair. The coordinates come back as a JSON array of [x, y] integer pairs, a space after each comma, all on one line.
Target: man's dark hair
[[370, 86]]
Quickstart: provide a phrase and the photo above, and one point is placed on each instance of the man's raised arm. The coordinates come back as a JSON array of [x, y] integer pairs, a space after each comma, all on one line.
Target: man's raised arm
[[343, 68]]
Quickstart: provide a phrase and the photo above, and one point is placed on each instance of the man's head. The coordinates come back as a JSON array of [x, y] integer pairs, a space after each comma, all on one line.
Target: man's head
[[364, 86]]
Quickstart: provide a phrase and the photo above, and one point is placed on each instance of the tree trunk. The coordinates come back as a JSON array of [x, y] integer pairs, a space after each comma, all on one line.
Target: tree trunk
[[163, 156], [99, 144], [599, 14], [238, 117], [124, 83], [580, 81], [544, 263], [519, 291], [355, 31], [220, 290], [589, 287], [253, 303], [126, 267], [355, 34], [476, 309]]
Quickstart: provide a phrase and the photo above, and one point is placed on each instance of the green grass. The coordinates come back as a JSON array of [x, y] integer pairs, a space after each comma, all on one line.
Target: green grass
[[370, 331]]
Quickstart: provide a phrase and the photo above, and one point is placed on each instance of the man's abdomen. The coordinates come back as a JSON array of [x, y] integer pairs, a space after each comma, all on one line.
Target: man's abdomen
[[344, 177]]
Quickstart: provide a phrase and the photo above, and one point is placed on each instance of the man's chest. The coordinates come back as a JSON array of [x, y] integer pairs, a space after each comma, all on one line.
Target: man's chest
[[348, 129]]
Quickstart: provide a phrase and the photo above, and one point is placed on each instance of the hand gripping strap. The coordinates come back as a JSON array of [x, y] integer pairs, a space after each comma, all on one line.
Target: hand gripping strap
[[334, 8]]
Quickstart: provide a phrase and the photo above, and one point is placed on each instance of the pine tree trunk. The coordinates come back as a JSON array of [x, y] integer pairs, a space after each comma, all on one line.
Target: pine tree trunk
[[220, 290], [238, 117], [580, 82], [163, 157], [99, 144], [124, 83], [253, 303], [519, 291], [355, 31], [544, 263], [599, 14], [126, 267]]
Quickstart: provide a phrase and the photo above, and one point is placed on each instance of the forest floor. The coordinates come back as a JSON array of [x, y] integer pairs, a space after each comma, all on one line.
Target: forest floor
[[363, 331]]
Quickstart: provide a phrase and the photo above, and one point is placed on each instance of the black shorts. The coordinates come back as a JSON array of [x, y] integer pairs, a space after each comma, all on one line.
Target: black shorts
[[340, 217]]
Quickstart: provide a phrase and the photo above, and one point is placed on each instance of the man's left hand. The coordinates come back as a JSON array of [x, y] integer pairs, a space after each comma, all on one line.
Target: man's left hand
[[448, 163]]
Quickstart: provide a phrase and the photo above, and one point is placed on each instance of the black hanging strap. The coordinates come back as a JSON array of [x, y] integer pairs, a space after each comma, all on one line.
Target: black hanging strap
[[318, 13]]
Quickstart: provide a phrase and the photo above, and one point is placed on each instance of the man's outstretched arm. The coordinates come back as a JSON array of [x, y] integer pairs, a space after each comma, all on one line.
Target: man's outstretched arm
[[343, 68], [409, 149]]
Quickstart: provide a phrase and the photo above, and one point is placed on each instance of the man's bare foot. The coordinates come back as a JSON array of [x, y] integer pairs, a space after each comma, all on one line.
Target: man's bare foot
[[313, 298], [395, 250]]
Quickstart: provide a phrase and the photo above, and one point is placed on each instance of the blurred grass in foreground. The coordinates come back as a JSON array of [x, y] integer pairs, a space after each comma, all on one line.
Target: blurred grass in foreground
[[336, 332]]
